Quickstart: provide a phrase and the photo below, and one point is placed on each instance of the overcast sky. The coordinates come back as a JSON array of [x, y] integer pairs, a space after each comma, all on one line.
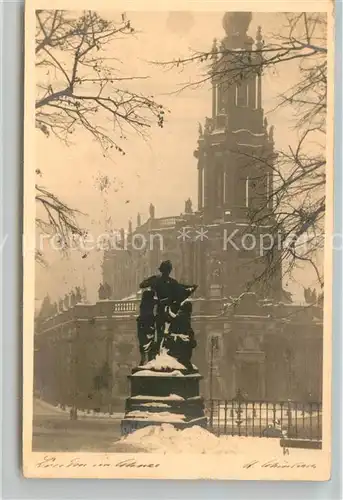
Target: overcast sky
[[140, 176]]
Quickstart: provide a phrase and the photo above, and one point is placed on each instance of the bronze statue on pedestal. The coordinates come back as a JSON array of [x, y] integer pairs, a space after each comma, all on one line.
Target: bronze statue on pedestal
[[165, 317]]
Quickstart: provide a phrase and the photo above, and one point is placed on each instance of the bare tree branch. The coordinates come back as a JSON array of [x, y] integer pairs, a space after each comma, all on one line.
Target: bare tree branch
[[79, 86]]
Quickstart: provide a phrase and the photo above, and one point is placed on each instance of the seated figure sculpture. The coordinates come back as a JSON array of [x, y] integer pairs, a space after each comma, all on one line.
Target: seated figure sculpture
[[180, 341]]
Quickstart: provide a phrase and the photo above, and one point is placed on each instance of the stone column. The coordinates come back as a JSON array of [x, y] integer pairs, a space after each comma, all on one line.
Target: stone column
[[214, 99], [234, 381], [262, 380], [219, 185], [207, 187], [109, 360], [259, 93], [200, 186], [252, 93], [201, 268]]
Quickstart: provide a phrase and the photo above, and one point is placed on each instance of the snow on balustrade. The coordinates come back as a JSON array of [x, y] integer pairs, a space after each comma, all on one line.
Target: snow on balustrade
[[129, 306], [165, 222]]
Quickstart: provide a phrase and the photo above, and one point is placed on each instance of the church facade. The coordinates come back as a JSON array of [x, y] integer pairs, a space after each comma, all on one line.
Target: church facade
[[250, 337]]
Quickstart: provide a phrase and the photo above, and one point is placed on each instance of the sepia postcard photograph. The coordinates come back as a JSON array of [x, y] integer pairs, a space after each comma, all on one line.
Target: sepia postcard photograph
[[178, 237]]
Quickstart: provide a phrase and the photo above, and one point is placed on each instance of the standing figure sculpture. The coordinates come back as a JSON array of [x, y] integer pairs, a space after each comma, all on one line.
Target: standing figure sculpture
[[101, 292], [146, 326], [107, 291], [170, 295], [78, 295]]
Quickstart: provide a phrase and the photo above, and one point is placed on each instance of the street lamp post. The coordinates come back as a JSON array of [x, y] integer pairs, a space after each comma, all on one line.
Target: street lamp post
[[214, 345]]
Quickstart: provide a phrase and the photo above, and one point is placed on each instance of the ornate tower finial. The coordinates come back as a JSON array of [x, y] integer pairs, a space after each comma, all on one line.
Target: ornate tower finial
[[265, 123], [214, 49], [208, 126], [188, 206], [236, 23], [259, 44], [130, 227], [139, 220], [152, 211], [271, 133]]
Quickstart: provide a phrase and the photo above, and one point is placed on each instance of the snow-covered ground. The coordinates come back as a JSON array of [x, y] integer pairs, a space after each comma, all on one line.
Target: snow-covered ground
[[97, 414], [167, 439], [41, 408]]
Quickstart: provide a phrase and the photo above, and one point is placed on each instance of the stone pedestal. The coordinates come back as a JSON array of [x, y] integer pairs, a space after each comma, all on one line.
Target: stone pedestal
[[163, 394]]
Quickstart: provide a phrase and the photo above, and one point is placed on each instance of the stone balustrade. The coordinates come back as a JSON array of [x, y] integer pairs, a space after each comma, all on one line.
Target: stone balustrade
[[213, 307]]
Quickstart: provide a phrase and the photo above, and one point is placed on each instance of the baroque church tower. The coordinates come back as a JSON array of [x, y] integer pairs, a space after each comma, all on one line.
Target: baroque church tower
[[221, 248], [235, 164]]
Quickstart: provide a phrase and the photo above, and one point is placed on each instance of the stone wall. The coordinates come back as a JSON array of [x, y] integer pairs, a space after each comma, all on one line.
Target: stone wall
[[83, 356]]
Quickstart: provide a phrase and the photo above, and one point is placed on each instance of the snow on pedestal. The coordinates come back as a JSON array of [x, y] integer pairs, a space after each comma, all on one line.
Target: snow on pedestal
[[163, 392], [167, 438], [163, 362]]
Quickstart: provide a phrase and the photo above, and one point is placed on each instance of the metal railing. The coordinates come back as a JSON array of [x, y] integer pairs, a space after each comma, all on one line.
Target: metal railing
[[240, 417]]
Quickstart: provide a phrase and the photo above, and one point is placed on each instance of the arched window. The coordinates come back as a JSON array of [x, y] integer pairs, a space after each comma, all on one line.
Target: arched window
[[247, 194], [225, 187], [240, 189], [219, 185], [242, 94], [255, 192], [221, 104], [269, 189]]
